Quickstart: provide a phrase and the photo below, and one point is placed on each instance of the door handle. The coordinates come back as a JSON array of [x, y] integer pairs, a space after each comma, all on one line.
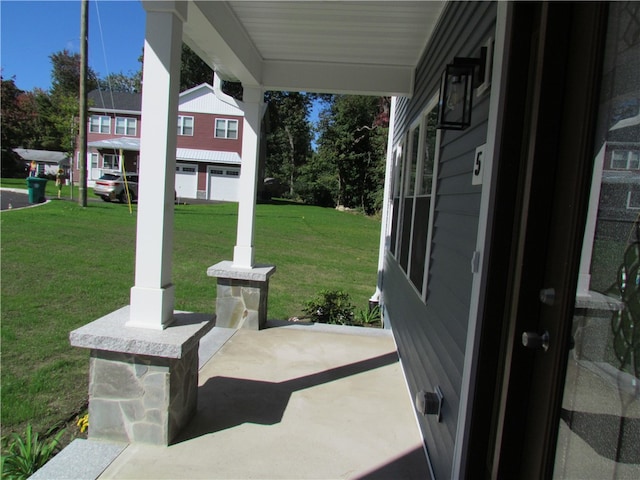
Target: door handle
[[536, 341]]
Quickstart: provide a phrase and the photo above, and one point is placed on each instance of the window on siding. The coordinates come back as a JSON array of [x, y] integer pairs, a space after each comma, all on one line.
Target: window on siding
[[110, 162], [423, 197], [398, 169], [233, 173], [92, 160], [633, 199], [226, 128], [408, 207], [625, 159], [99, 124], [126, 126], [185, 125], [414, 189]]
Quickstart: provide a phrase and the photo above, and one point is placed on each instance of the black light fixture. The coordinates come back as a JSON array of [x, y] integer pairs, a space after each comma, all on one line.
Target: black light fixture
[[459, 79]]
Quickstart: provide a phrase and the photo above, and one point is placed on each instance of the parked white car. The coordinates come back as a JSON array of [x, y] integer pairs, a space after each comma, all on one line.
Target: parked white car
[[112, 186]]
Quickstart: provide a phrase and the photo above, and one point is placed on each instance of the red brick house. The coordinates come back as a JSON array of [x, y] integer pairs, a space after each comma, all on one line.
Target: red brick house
[[209, 142]]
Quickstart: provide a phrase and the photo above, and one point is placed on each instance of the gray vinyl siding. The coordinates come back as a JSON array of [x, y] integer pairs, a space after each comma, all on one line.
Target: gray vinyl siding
[[432, 334]]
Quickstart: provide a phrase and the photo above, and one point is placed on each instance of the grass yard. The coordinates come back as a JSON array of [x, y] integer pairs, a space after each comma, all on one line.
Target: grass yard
[[64, 266]]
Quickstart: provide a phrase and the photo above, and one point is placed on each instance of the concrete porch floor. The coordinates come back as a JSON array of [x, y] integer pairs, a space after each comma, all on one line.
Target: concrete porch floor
[[298, 402]]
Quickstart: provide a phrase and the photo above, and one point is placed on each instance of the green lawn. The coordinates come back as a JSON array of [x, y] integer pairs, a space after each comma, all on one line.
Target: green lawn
[[64, 266]]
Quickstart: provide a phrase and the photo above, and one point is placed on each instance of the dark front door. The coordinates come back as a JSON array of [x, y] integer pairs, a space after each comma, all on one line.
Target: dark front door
[[564, 48]]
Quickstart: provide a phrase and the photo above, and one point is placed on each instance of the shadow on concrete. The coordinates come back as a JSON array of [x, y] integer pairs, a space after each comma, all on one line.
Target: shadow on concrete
[[412, 465], [228, 402], [611, 436]]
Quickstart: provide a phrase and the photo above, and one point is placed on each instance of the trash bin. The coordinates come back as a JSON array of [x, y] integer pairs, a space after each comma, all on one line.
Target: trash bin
[[36, 188]]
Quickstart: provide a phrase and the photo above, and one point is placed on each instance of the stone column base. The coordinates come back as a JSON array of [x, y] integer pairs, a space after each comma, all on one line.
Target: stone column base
[[242, 295], [143, 385]]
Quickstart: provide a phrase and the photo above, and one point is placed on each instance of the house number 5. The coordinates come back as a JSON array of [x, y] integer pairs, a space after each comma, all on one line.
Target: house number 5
[[478, 166]]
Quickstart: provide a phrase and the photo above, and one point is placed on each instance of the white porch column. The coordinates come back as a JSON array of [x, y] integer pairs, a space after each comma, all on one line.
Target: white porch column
[[152, 297], [252, 98]]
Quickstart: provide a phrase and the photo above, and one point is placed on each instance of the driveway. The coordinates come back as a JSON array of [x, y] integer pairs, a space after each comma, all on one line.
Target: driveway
[[13, 198]]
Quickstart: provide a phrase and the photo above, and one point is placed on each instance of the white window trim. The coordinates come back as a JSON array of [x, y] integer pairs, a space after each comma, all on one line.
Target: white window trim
[[127, 121], [434, 182], [181, 125], [100, 124], [399, 183], [476, 306], [421, 123], [226, 121], [410, 154], [628, 154], [629, 206], [116, 162]]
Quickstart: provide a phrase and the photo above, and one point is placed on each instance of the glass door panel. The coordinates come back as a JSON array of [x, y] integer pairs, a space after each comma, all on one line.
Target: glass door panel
[[599, 432]]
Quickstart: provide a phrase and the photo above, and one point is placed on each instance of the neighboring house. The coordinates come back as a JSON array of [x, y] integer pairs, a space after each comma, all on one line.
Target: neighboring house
[[209, 142], [47, 162], [483, 225]]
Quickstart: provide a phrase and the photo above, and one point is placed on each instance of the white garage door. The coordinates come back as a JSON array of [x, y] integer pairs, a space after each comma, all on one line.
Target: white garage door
[[223, 183], [186, 180]]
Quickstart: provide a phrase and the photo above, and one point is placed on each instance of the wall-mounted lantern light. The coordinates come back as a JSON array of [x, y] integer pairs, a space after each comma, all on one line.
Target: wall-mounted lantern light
[[459, 79]]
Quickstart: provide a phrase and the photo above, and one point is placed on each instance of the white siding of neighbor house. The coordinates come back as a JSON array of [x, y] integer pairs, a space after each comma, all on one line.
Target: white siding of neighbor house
[[202, 99], [432, 333]]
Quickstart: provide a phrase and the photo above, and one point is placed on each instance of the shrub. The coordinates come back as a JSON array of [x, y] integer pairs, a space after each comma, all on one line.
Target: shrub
[[331, 306], [368, 316], [28, 454]]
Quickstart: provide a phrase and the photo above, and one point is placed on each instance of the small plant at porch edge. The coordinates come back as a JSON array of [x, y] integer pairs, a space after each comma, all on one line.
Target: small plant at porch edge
[[331, 306], [83, 423], [368, 316], [26, 455]]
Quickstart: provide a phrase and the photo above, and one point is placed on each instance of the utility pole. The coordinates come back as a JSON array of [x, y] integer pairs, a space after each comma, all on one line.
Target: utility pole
[[84, 34]]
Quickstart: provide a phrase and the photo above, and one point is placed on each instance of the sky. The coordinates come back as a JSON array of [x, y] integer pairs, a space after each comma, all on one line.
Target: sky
[[30, 31]]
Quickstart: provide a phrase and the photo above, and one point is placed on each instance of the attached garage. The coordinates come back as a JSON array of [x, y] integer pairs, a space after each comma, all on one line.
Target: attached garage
[[223, 182], [186, 180], [218, 181]]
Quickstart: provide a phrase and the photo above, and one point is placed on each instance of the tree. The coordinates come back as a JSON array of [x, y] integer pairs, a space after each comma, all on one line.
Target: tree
[[119, 82], [289, 138], [352, 143], [61, 109], [193, 70], [65, 75], [23, 124], [11, 133]]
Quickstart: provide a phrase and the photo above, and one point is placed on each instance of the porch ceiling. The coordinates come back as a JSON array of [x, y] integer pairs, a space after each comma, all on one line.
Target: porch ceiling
[[367, 47]]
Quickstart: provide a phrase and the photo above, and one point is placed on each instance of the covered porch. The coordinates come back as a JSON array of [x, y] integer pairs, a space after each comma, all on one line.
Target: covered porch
[[289, 401], [281, 402]]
